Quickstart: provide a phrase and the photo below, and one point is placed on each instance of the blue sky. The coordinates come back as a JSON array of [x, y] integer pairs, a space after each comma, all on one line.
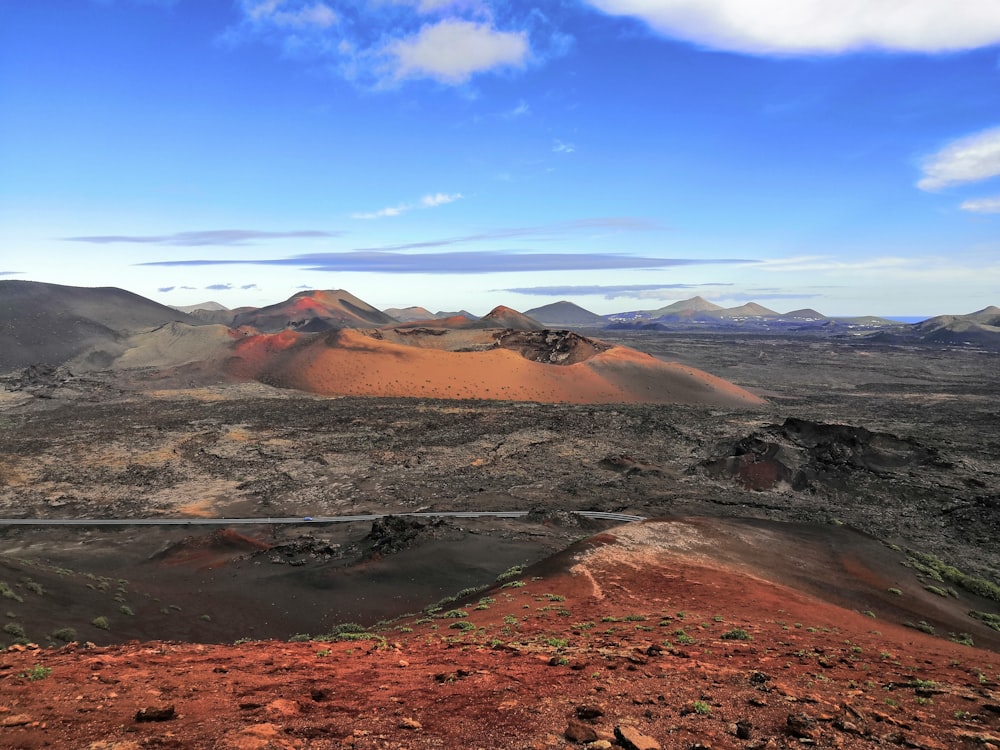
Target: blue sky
[[622, 154]]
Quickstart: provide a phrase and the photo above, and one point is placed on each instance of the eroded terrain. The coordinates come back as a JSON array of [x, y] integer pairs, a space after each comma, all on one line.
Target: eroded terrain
[[911, 463]]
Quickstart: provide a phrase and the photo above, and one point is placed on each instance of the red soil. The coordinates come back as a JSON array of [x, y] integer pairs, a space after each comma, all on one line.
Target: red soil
[[637, 628], [350, 362]]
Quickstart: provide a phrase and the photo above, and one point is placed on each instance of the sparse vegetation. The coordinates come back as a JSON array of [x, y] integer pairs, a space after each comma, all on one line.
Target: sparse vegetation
[[14, 629], [701, 708], [923, 627], [510, 573], [8, 593], [101, 622], [37, 672], [935, 568], [992, 620]]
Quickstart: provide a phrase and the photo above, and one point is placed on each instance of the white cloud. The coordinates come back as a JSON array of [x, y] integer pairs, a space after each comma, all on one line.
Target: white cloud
[[814, 263], [431, 200], [439, 199], [383, 213], [316, 15], [819, 26], [560, 147], [970, 159], [982, 205], [451, 51], [521, 110]]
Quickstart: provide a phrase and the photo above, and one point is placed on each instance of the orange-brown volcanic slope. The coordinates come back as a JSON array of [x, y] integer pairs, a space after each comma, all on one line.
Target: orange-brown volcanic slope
[[639, 633], [360, 363]]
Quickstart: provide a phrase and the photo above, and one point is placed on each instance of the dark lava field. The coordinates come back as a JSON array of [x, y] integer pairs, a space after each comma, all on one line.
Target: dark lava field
[[900, 443]]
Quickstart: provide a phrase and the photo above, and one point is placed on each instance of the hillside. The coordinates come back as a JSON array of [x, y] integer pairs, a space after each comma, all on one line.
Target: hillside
[[436, 363], [656, 635], [317, 310], [54, 324], [565, 314]]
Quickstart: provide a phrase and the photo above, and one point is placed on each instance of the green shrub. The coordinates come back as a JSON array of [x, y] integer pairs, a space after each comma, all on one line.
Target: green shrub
[[988, 618], [455, 613], [101, 622], [14, 629], [462, 625], [37, 672], [510, 573], [64, 634], [736, 634], [8, 593]]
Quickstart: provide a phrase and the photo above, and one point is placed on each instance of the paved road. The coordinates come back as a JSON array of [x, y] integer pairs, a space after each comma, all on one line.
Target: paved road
[[619, 517]]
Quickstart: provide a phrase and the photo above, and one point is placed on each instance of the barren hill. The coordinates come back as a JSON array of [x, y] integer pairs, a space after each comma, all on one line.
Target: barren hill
[[53, 324], [493, 364], [565, 314], [674, 634], [695, 304], [331, 309], [409, 314], [504, 317]]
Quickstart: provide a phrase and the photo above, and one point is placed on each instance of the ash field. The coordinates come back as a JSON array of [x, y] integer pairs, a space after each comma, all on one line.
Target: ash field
[[896, 443], [812, 560]]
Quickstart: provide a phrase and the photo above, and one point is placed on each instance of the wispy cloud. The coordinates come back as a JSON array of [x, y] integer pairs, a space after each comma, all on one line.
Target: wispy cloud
[[165, 289], [540, 232], [802, 263], [561, 147], [521, 110], [219, 287], [808, 27], [982, 205], [431, 200], [969, 159], [208, 237], [310, 14], [609, 291], [459, 262], [10, 273]]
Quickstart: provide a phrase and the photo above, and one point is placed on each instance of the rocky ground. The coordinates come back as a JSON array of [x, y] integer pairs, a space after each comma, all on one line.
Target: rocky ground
[[898, 443], [636, 638]]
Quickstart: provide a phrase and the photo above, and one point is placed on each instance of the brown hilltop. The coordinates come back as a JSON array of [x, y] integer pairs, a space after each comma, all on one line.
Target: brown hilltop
[[667, 634], [335, 308], [505, 317], [488, 365]]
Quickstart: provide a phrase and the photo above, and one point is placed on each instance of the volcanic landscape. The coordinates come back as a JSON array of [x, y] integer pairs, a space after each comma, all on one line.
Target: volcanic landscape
[[817, 566]]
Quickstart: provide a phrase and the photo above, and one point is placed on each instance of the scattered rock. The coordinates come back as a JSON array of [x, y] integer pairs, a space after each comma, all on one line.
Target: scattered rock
[[802, 726], [588, 712], [411, 724], [577, 731], [15, 720], [155, 713], [631, 738]]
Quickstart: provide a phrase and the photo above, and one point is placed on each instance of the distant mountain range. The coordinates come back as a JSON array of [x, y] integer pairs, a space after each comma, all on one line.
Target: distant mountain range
[[55, 324], [695, 314]]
